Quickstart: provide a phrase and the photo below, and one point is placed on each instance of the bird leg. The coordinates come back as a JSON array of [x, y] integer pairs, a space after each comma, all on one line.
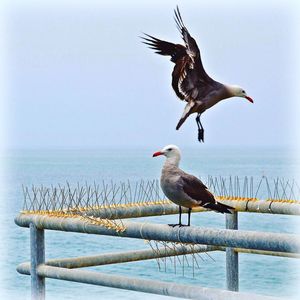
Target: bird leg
[[179, 216], [189, 217], [179, 224], [200, 129]]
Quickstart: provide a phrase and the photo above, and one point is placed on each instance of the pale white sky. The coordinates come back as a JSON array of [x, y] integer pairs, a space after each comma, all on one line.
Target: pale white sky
[[77, 76]]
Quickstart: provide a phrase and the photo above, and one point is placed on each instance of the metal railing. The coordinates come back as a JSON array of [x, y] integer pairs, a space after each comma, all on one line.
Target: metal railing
[[110, 220]]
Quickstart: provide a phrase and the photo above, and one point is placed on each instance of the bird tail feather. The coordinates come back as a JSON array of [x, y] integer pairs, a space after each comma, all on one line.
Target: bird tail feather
[[187, 111], [220, 207]]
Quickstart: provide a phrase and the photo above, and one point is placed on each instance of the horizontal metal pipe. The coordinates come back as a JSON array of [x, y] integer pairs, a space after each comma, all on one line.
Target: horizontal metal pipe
[[271, 253], [141, 210], [158, 208], [165, 208], [262, 252], [207, 236], [145, 285], [152, 209], [284, 207], [122, 257]]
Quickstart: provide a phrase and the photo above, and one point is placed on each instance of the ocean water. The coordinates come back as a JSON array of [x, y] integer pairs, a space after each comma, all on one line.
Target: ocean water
[[258, 274]]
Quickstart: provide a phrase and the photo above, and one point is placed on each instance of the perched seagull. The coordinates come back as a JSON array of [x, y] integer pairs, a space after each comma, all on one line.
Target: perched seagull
[[184, 189], [189, 79]]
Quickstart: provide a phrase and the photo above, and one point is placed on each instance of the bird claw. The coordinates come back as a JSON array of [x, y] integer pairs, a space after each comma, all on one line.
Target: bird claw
[[201, 135], [200, 129], [179, 225]]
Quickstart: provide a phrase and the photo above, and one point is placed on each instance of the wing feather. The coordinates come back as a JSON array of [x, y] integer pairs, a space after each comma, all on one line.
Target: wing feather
[[198, 191], [189, 79], [161, 47], [190, 43]]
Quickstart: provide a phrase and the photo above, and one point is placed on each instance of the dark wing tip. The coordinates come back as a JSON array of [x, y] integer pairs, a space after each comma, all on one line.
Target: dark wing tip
[[178, 19], [148, 37], [149, 40], [178, 12]]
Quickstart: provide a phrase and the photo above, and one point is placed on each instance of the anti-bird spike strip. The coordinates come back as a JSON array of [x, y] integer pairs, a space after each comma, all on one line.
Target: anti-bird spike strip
[[82, 197], [107, 196], [109, 205]]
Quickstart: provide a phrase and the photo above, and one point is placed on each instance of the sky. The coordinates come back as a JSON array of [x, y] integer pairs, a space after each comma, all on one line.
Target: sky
[[76, 74]]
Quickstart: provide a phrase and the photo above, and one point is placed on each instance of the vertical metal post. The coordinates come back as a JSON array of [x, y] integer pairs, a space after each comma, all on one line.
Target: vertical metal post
[[232, 257], [37, 250]]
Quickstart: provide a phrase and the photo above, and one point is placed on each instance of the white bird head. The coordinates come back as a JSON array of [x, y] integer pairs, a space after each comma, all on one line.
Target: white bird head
[[237, 91], [171, 152]]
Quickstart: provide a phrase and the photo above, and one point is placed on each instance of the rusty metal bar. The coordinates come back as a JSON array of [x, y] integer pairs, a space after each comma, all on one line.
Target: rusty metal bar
[[197, 235], [120, 257], [145, 285], [37, 249], [232, 257]]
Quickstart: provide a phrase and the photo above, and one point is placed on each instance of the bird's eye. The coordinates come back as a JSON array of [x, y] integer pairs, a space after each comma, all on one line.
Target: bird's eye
[[243, 92], [169, 149]]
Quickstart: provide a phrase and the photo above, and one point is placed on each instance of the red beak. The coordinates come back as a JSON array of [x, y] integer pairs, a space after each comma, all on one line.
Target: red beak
[[249, 99], [157, 154]]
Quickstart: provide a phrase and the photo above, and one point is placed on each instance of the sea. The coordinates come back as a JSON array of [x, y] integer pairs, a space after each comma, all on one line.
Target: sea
[[260, 274]]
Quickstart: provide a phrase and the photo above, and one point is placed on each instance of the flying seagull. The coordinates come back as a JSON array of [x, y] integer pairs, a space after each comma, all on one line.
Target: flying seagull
[[189, 79], [184, 189]]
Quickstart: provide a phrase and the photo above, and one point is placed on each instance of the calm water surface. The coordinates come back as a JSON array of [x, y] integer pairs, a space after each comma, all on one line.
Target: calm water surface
[[260, 274]]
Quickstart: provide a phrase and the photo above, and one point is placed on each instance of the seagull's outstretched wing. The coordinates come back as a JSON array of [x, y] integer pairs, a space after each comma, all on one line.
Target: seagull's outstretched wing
[[161, 47], [189, 79], [178, 56], [196, 190], [192, 49]]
